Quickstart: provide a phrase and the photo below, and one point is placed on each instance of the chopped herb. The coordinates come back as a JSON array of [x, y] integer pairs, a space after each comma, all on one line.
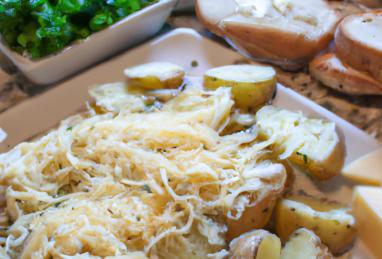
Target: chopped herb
[[194, 63], [147, 188], [69, 129], [305, 157]]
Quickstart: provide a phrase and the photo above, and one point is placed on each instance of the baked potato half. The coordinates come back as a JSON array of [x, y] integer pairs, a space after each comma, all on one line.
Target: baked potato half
[[155, 75], [329, 220], [257, 244], [304, 244], [251, 85], [312, 144], [257, 214]]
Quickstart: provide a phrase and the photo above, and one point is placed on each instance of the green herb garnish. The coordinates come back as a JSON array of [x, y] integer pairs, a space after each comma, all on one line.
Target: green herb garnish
[[147, 188], [38, 28], [305, 157], [69, 128], [194, 63]]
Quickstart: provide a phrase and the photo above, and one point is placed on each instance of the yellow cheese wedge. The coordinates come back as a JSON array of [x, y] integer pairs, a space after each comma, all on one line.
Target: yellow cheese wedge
[[367, 206], [366, 170]]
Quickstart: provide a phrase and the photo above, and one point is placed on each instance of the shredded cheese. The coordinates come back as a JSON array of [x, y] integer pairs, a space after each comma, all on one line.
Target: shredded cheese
[[118, 181]]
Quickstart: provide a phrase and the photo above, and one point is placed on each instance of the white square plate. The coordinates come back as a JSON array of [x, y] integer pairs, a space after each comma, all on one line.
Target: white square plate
[[181, 46]]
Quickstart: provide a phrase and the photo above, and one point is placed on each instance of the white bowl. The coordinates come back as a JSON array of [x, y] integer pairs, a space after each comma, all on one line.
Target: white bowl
[[121, 35]]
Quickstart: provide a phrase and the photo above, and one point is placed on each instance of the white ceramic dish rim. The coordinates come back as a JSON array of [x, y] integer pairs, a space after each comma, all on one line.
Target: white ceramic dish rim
[[27, 61], [53, 101]]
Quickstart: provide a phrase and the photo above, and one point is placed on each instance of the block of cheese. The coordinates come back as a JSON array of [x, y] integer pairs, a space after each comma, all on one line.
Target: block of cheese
[[367, 207], [366, 170]]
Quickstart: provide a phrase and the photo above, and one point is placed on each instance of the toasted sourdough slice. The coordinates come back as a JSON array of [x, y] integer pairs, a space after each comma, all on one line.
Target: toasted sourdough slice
[[369, 3], [358, 42], [330, 70], [312, 144], [287, 32], [345, 8], [304, 244], [210, 13]]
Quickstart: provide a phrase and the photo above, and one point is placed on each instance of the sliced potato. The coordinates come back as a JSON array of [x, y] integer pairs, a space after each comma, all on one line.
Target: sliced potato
[[257, 244], [116, 97], [258, 214], [251, 85], [155, 75], [313, 144], [329, 220], [255, 217], [304, 244]]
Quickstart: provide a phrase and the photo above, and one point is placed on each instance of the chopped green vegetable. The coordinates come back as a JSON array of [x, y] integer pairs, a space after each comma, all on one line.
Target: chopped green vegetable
[[194, 63], [304, 156], [69, 128], [38, 28], [147, 188]]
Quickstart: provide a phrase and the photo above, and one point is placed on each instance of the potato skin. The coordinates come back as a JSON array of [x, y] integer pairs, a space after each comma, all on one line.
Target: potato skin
[[152, 82], [324, 170], [337, 235], [257, 244], [302, 244], [255, 217], [247, 96]]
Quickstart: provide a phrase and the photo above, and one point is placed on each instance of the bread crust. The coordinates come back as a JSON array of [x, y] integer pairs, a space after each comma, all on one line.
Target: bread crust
[[291, 47], [290, 50], [203, 13], [355, 51], [329, 70]]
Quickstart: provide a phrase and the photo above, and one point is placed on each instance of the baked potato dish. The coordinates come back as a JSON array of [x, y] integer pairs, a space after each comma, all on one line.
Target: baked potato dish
[[156, 168], [331, 221]]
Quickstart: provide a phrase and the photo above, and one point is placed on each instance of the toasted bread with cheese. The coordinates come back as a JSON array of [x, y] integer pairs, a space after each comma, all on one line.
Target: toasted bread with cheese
[[333, 73], [358, 42], [345, 8], [369, 3], [285, 32]]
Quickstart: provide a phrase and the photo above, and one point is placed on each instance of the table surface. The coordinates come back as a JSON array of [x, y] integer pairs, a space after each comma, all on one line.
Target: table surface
[[365, 111]]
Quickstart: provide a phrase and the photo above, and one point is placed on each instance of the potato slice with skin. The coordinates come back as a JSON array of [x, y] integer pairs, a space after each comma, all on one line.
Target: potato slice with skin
[[257, 244], [257, 216], [312, 144], [251, 85], [329, 220], [304, 244], [155, 75]]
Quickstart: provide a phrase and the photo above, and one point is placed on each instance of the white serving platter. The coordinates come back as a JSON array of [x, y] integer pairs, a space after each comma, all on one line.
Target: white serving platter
[[181, 46], [98, 46]]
